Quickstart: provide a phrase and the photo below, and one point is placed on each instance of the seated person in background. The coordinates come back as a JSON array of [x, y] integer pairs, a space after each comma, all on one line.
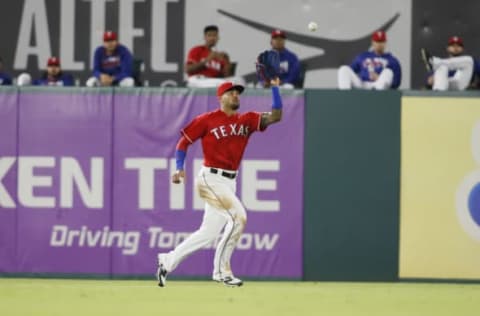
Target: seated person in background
[[112, 64], [289, 63], [452, 73], [5, 79], [53, 76], [205, 67], [373, 69]]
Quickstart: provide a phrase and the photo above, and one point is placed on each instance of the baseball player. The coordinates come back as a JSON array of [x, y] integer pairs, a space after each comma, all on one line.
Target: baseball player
[[373, 69], [205, 66], [224, 134], [452, 73], [112, 64], [289, 72], [53, 76]]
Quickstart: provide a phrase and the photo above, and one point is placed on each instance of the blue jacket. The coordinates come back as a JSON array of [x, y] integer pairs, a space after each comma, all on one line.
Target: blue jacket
[[5, 79], [119, 64], [476, 70], [370, 61], [289, 67], [63, 79]]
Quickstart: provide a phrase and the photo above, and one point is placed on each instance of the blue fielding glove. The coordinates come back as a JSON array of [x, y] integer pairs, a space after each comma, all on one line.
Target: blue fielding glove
[[268, 65]]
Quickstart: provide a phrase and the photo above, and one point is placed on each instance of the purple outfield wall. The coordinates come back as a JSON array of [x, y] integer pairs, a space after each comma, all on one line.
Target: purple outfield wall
[[85, 183]]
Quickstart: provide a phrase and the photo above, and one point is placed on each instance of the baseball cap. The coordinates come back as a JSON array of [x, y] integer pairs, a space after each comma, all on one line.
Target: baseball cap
[[379, 36], [53, 61], [109, 36], [227, 86], [455, 40], [278, 33]]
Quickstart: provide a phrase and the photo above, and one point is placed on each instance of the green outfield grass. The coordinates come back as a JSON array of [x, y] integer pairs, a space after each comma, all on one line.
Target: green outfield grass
[[51, 297]]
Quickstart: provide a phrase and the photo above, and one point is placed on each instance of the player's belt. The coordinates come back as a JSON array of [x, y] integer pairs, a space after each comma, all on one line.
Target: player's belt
[[223, 173]]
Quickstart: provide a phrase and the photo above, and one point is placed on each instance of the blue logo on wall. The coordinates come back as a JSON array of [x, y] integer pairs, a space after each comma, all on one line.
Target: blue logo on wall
[[468, 193], [474, 204]]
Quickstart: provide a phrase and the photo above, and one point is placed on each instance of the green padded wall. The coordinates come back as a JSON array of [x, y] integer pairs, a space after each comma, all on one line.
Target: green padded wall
[[352, 161]]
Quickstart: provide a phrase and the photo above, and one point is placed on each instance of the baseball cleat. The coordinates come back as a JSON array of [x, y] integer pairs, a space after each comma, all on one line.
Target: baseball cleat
[[161, 272], [427, 59], [231, 281]]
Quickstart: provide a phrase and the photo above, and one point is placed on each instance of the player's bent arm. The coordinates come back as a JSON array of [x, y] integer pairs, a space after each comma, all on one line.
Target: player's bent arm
[[276, 114], [180, 154], [194, 67]]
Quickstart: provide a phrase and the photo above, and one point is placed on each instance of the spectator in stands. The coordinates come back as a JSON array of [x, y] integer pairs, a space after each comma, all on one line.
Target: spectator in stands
[[454, 72], [374, 69], [53, 76], [207, 67], [289, 64], [5, 79], [112, 64]]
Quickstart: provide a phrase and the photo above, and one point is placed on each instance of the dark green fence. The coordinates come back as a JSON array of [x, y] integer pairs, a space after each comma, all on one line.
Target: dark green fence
[[352, 159]]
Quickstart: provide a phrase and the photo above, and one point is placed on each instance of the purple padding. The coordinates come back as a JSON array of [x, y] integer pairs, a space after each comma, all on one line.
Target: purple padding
[[68, 133], [59, 127], [8, 175]]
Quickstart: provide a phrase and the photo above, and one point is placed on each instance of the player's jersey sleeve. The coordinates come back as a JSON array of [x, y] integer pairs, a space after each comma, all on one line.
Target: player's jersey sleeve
[[394, 65], [476, 68], [97, 62], [5, 79], [254, 120], [193, 55], [356, 64], [125, 64], [293, 69], [196, 128]]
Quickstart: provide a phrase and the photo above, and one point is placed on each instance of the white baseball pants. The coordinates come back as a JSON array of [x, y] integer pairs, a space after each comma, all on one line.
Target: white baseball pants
[[460, 80], [125, 82], [223, 210], [348, 79]]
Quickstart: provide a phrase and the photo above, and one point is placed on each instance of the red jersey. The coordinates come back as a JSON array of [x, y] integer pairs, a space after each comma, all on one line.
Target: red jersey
[[224, 138], [213, 69]]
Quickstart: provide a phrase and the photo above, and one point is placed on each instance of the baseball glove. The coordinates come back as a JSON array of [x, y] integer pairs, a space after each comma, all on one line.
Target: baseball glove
[[268, 65]]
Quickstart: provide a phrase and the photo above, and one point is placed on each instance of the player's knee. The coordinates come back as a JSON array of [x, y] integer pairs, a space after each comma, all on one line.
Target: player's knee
[[127, 82], [384, 81], [470, 61], [244, 221], [92, 82], [241, 222], [442, 69], [344, 81], [344, 69], [24, 79], [387, 72]]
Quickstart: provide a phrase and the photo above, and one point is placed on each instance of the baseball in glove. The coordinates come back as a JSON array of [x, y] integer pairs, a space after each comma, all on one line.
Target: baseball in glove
[[268, 65]]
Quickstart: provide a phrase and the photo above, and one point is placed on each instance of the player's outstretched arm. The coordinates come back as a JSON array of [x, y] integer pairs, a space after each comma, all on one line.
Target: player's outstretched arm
[[276, 114], [180, 154]]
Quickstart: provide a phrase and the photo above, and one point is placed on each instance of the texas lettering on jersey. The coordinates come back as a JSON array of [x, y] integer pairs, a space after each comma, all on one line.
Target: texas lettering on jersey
[[230, 130], [224, 137], [376, 63], [213, 64], [111, 62], [213, 68]]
